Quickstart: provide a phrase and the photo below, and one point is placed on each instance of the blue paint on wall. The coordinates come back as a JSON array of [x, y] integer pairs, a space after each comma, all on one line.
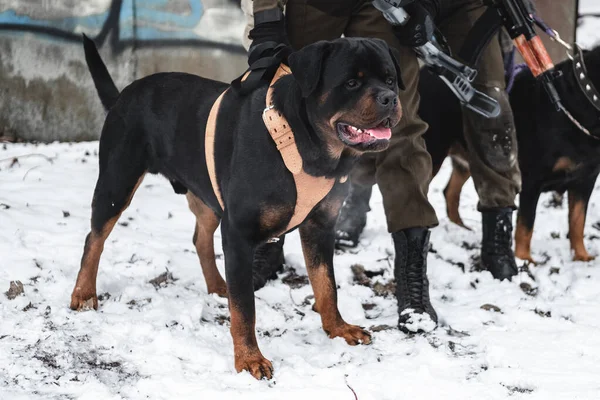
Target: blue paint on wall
[[90, 23], [140, 23], [149, 16], [138, 19]]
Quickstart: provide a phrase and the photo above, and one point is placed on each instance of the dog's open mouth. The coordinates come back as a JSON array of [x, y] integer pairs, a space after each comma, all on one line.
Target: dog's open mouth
[[353, 135]]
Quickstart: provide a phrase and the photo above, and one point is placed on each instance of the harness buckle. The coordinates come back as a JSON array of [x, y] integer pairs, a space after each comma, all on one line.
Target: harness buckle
[[267, 109]]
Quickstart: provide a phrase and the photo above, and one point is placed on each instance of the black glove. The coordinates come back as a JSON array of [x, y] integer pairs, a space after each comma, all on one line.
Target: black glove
[[420, 26], [270, 47], [267, 35]]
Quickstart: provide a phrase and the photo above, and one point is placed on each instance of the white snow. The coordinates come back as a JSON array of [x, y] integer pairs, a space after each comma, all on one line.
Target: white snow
[[587, 31], [167, 343]]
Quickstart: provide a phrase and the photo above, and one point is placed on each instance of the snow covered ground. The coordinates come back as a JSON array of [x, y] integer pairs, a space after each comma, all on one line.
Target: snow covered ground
[[171, 340]]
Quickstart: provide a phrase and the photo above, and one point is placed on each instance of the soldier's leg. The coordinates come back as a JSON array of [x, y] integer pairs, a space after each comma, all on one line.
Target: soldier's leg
[[307, 24], [403, 173], [491, 145]]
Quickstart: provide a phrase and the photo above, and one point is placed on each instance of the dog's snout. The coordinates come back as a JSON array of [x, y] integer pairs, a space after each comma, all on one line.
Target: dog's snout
[[387, 99]]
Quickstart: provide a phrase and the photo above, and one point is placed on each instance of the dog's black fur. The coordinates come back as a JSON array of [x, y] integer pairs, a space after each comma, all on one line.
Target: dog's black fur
[[554, 155], [157, 125]]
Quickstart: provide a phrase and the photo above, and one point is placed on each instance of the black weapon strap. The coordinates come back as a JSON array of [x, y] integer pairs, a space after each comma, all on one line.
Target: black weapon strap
[[480, 36]]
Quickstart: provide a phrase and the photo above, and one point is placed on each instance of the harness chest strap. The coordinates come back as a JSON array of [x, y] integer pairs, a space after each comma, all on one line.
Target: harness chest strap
[[209, 147], [310, 190]]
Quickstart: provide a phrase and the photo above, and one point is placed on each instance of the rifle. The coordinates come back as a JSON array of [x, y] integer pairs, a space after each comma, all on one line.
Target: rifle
[[520, 25], [457, 76]]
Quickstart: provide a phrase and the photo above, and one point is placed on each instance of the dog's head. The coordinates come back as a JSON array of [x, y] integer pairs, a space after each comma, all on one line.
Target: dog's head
[[350, 88]]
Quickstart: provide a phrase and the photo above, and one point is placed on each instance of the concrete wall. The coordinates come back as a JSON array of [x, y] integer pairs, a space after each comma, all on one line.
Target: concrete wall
[[46, 92]]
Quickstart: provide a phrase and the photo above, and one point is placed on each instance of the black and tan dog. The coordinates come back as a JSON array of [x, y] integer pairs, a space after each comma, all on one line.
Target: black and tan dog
[[554, 154], [340, 100]]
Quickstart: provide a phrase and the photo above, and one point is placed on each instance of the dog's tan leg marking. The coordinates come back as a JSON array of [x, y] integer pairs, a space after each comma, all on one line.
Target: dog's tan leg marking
[[523, 237], [577, 211], [460, 174], [245, 348], [207, 223], [562, 164], [326, 306], [323, 283], [84, 294], [274, 218]]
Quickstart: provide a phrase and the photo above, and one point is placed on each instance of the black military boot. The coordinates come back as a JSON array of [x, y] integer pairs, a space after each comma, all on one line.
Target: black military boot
[[412, 286], [268, 260], [497, 255], [353, 216]]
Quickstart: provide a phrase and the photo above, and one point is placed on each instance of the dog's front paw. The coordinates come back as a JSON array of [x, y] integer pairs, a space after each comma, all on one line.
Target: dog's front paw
[[258, 366], [83, 300], [583, 256], [525, 256], [352, 334], [219, 290]]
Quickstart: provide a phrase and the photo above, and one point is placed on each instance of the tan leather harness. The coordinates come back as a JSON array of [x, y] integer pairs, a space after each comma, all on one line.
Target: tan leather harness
[[310, 190]]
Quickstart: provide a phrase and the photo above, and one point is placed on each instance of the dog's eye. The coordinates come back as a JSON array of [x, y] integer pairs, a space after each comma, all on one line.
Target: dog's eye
[[389, 81], [352, 83]]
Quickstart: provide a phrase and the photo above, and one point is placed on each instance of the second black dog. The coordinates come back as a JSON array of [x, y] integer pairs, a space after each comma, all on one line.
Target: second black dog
[[554, 154]]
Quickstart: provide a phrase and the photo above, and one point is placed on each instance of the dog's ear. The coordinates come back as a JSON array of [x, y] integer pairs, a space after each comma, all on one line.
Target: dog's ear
[[307, 65], [394, 53]]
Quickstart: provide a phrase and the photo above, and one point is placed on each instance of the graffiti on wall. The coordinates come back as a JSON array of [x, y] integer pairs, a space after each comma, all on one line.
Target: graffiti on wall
[[129, 23]]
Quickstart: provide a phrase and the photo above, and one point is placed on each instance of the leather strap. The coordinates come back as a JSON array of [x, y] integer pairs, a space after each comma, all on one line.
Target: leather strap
[[310, 190], [209, 147], [480, 36], [280, 130], [584, 81]]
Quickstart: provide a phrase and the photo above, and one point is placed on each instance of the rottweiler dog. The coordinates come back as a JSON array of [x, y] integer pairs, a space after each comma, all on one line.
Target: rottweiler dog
[[341, 99], [554, 154]]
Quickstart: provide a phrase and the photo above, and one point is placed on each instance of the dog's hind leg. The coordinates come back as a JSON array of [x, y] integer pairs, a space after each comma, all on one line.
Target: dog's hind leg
[[318, 236], [206, 225], [528, 200], [460, 174], [579, 196], [122, 169]]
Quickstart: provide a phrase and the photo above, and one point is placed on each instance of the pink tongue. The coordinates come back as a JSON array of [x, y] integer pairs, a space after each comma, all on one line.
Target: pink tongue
[[380, 132]]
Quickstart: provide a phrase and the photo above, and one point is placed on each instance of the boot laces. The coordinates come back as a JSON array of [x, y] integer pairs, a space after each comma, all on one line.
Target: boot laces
[[414, 275], [502, 235]]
